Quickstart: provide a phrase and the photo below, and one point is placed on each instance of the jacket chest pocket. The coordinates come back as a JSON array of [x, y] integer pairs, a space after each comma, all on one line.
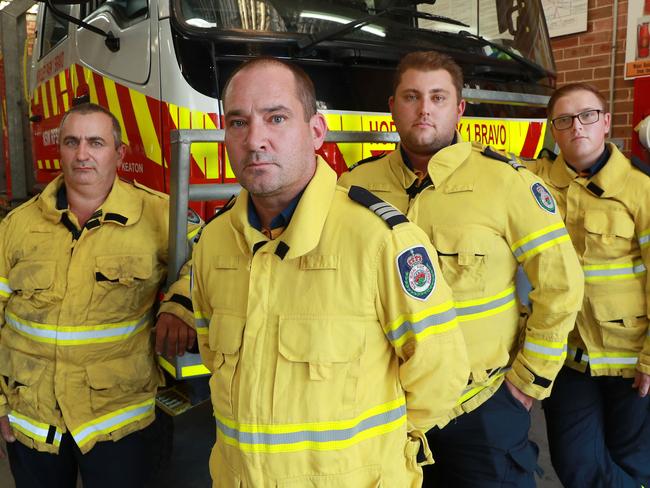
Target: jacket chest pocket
[[23, 381], [33, 280], [321, 359], [123, 282], [225, 340], [463, 255], [607, 235], [622, 320], [121, 382]]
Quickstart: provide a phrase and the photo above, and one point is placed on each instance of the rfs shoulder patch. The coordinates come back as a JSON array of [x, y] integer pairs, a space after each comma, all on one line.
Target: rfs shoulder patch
[[543, 198], [416, 272]]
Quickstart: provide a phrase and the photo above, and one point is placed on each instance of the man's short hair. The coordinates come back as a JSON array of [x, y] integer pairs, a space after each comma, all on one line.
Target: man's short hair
[[571, 88], [93, 108], [430, 61], [305, 90]]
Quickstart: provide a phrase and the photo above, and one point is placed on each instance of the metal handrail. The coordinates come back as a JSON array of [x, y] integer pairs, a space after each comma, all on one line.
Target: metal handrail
[[181, 192]]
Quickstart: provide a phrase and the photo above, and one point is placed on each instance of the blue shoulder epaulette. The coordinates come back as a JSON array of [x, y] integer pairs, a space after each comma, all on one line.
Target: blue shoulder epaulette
[[512, 161], [547, 153], [229, 204], [386, 211], [641, 165], [368, 160]]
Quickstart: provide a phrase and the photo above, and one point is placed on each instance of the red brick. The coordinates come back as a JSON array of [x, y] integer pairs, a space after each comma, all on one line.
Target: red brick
[[601, 73], [624, 107], [579, 75], [602, 25], [600, 13], [594, 37], [595, 61], [560, 78], [602, 85], [577, 52], [620, 119], [564, 41], [558, 54], [602, 48], [622, 94], [568, 65], [622, 131]]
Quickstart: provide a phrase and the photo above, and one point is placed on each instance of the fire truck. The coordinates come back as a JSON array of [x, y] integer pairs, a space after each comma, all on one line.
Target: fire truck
[[160, 65]]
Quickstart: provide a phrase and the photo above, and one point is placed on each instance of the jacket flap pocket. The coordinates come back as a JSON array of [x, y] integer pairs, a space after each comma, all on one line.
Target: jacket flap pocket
[[123, 267], [321, 340], [21, 368], [465, 242], [617, 306], [319, 262], [32, 275], [131, 370], [612, 223], [226, 332], [226, 262]]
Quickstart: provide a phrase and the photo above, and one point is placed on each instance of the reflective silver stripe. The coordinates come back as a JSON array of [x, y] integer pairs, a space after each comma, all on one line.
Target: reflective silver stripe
[[465, 310], [76, 335], [538, 241], [614, 360], [608, 271], [112, 421], [417, 327], [5, 289], [573, 352], [33, 429], [546, 350], [644, 239], [333, 436]]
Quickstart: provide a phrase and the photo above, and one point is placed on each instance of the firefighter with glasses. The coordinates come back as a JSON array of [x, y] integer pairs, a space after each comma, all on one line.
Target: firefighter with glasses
[[598, 413]]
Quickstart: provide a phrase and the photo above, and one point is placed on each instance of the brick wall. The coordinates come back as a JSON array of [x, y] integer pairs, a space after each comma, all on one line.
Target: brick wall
[[587, 57]]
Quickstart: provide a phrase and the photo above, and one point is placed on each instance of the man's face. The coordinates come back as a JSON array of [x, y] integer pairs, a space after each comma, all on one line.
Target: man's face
[[426, 110], [270, 145], [88, 154], [581, 145]]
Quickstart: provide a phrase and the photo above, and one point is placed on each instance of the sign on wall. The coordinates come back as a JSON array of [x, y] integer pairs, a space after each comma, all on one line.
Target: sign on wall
[[565, 16], [637, 46]]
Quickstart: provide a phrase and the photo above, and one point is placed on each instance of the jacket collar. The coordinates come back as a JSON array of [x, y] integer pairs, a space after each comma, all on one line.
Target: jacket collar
[[607, 182], [121, 207], [304, 231]]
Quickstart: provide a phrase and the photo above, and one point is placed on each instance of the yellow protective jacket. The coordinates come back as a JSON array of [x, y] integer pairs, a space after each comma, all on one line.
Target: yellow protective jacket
[[75, 344], [484, 219], [322, 358], [608, 219]]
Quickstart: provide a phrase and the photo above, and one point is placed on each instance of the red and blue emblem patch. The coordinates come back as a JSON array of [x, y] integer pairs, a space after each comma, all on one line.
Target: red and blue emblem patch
[[416, 272], [543, 198]]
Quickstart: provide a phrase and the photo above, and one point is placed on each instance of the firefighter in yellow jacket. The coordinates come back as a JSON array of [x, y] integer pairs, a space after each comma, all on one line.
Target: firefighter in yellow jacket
[[598, 426], [485, 215], [322, 313], [80, 268]]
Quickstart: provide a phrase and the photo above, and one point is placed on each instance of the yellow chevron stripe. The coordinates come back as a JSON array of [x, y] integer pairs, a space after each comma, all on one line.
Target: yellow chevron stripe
[[57, 164], [40, 164], [146, 126], [65, 96], [212, 160], [114, 106], [90, 81], [51, 83], [47, 164], [37, 95], [46, 108]]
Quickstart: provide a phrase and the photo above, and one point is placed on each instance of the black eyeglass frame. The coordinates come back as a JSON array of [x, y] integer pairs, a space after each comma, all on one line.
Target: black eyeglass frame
[[577, 116]]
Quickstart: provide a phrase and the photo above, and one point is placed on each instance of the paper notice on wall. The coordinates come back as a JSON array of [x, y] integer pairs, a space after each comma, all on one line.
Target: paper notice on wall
[[565, 16]]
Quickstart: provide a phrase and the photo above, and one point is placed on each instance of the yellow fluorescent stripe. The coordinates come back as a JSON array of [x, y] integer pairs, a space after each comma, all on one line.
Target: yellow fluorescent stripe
[[146, 126], [167, 366], [612, 365], [547, 357], [63, 89], [312, 426], [112, 415], [90, 80], [51, 83], [184, 117], [613, 355], [114, 106], [47, 164], [197, 369], [317, 446], [418, 316], [173, 113], [536, 234], [37, 95], [484, 300], [433, 329], [542, 247], [542, 342], [39, 163], [589, 267], [4, 293], [477, 389], [73, 328], [487, 313], [190, 235], [628, 276], [46, 108], [645, 233], [57, 165]]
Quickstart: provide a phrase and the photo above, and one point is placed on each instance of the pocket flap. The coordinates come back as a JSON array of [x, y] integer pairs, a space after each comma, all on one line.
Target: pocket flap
[[319, 340], [226, 332], [124, 267], [32, 275], [20, 367], [130, 370], [618, 306], [613, 223], [467, 242]]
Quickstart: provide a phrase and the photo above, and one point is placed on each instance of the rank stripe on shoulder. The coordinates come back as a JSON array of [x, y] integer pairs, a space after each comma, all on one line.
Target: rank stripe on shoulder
[[386, 211], [368, 160], [512, 161]]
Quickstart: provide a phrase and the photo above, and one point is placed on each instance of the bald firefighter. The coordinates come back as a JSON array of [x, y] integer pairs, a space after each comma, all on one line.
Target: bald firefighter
[[486, 215], [81, 266], [334, 345], [598, 416]]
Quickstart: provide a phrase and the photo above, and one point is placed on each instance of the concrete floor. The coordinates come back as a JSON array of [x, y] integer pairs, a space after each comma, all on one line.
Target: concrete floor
[[195, 435]]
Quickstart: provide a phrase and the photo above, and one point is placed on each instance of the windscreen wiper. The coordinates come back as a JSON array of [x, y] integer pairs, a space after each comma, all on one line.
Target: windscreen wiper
[[509, 52], [310, 41]]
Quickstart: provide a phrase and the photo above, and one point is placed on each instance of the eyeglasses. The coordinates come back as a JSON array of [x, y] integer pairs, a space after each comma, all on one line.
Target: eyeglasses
[[587, 117]]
